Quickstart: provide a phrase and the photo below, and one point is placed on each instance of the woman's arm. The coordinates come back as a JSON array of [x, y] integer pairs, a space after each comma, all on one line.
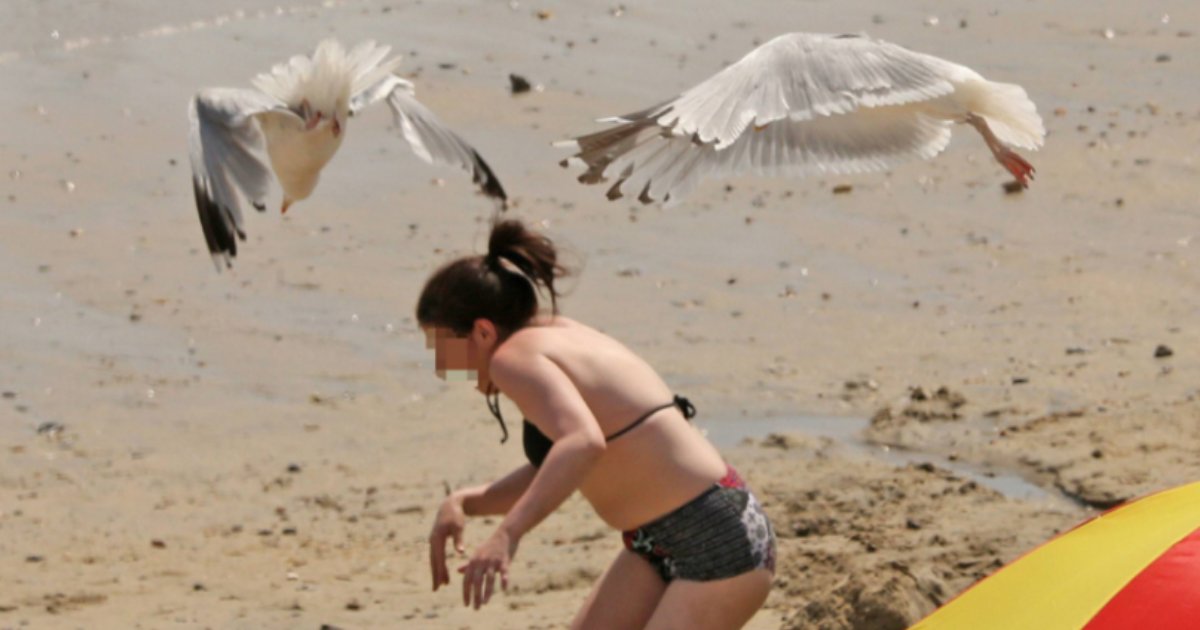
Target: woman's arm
[[496, 497], [549, 399]]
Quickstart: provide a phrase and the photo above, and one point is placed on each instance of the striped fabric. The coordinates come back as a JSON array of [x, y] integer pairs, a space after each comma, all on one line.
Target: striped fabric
[[719, 534]]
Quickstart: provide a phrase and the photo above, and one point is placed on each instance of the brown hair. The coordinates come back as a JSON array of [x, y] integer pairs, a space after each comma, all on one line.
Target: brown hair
[[501, 286]]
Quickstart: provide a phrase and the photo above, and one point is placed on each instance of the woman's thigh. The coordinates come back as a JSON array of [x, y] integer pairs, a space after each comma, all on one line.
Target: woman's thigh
[[716, 605], [625, 597]]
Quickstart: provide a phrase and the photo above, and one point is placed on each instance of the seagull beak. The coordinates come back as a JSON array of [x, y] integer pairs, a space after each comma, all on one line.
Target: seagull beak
[[337, 127], [287, 203]]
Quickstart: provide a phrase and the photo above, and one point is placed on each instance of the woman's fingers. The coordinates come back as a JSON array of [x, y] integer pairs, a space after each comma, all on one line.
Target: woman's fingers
[[477, 588], [468, 575], [437, 554], [479, 581], [437, 560], [472, 574], [489, 586]]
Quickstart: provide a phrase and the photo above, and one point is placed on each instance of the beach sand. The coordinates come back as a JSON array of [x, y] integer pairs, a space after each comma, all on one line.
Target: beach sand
[[923, 377]]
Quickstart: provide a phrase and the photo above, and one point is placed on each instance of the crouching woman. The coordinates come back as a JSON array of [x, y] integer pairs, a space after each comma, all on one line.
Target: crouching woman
[[698, 552]]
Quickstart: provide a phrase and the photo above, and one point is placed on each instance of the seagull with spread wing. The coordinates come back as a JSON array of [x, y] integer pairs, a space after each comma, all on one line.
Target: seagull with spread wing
[[298, 114], [804, 103]]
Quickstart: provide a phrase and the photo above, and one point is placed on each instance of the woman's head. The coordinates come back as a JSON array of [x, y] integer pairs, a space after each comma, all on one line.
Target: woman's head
[[500, 286]]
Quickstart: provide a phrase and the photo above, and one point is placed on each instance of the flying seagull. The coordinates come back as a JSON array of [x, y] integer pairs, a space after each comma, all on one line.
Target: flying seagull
[[298, 113], [804, 103]]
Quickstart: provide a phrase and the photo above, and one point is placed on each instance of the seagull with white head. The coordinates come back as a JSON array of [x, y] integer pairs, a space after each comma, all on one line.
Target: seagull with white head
[[298, 113], [808, 103]]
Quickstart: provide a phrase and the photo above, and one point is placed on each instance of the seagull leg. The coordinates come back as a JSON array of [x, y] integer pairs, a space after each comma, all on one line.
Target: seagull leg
[[1007, 158]]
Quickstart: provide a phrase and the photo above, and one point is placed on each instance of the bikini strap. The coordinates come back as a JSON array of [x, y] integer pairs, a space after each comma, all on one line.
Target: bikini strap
[[685, 407]]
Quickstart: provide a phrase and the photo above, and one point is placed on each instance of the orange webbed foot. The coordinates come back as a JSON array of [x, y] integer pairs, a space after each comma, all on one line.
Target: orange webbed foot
[[1018, 166]]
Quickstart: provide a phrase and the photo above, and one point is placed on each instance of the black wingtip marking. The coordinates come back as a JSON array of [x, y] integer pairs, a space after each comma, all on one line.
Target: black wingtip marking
[[645, 197], [488, 182], [217, 233], [614, 193]]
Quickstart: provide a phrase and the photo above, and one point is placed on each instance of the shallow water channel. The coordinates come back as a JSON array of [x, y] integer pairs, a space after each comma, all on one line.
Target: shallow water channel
[[846, 432]]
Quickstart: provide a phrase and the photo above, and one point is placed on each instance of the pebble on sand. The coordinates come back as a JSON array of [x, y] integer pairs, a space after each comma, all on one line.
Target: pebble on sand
[[519, 84]]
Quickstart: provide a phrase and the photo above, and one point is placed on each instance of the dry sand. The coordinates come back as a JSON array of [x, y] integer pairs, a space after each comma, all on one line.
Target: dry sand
[[265, 448]]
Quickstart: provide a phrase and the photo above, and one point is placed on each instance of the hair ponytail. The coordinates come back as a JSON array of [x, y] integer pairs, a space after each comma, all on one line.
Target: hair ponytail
[[531, 253], [501, 286]]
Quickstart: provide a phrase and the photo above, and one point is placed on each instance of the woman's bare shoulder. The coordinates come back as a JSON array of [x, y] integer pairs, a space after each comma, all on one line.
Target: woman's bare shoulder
[[544, 329], [526, 355], [522, 344], [544, 338]]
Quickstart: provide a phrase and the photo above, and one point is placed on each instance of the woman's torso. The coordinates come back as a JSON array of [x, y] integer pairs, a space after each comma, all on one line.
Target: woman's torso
[[655, 467]]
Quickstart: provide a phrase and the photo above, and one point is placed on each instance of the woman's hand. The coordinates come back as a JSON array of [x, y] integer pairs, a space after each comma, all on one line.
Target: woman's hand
[[449, 523], [479, 575]]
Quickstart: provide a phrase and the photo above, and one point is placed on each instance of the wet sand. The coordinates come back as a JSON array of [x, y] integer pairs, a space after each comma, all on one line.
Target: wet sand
[[266, 447]]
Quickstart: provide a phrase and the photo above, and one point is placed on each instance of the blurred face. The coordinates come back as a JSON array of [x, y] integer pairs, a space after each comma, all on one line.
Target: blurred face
[[463, 357], [455, 356]]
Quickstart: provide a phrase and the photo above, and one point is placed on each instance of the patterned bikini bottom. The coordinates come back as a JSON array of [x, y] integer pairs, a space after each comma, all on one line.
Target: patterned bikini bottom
[[719, 534]]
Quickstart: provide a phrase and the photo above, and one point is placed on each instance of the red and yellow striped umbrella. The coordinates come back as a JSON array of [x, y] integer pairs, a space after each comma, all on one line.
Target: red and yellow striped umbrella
[[1135, 566]]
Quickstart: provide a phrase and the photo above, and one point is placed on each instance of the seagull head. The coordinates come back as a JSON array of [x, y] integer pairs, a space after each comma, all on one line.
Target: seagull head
[[316, 88], [320, 121]]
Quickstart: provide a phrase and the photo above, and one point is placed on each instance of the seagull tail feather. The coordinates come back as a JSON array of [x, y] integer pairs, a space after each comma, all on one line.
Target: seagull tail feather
[[1009, 112]]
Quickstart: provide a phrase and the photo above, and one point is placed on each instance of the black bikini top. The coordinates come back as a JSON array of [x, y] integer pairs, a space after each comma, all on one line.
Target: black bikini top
[[537, 445]]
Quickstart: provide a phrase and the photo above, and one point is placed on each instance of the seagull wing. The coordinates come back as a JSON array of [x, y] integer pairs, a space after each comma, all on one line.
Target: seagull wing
[[663, 167], [802, 76], [429, 138], [225, 146], [800, 103]]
